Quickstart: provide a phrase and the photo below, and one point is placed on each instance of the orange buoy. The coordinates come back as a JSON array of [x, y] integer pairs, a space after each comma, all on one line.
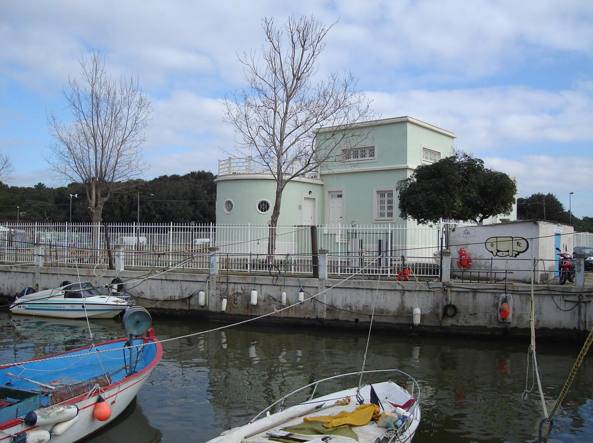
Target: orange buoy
[[102, 410], [504, 310]]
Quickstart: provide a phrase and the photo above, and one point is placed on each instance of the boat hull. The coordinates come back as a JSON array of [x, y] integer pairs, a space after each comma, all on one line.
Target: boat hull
[[67, 310]]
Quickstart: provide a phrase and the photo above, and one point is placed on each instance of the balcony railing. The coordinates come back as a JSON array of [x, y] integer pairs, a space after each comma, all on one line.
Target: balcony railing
[[248, 165]]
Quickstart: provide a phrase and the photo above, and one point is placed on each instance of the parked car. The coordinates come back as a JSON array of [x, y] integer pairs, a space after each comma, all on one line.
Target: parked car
[[584, 251]]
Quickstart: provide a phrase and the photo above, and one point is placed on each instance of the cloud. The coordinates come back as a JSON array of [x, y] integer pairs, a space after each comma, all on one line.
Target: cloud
[[498, 118], [558, 174]]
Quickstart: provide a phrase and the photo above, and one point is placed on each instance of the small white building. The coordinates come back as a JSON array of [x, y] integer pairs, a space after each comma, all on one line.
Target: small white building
[[509, 250]]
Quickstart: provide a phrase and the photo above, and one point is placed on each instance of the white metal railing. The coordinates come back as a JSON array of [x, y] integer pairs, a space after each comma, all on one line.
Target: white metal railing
[[368, 250], [249, 165]]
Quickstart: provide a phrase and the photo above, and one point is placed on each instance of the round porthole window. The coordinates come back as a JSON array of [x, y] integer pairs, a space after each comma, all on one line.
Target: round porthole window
[[228, 206], [263, 206]]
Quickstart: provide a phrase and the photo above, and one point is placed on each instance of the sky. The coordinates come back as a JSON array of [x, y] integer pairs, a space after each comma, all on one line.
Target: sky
[[513, 80]]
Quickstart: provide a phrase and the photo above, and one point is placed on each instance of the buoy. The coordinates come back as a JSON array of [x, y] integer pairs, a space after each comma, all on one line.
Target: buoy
[[284, 298], [505, 311], [301, 295], [37, 436], [202, 298], [51, 415], [102, 410], [223, 305], [505, 308], [416, 314], [60, 428], [253, 299]]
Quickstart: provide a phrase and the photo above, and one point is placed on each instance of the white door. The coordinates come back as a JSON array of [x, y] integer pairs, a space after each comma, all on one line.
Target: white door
[[309, 211], [335, 208]]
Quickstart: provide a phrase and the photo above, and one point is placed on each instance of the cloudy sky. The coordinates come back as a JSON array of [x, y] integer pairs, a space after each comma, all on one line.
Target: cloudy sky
[[513, 80]]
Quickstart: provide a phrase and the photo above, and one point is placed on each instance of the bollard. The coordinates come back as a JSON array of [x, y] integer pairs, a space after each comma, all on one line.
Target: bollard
[[119, 259], [322, 264], [213, 256]]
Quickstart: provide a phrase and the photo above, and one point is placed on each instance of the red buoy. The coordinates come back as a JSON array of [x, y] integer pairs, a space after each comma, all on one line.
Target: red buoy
[[102, 410], [504, 310]]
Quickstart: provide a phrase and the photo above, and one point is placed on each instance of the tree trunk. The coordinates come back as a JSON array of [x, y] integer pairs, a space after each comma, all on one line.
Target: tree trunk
[[274, 223]]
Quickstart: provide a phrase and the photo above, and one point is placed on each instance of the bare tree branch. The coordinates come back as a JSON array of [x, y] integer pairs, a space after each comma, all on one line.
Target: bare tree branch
[[100, 146], [284, 106], [5, 165]]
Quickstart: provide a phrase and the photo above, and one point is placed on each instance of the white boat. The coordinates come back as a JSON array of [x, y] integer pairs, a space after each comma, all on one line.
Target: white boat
[[399, 409], [72, 300], [65, 397]]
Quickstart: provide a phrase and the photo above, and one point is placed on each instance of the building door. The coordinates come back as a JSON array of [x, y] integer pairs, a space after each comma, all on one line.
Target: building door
[[309, 211], [335, 208]]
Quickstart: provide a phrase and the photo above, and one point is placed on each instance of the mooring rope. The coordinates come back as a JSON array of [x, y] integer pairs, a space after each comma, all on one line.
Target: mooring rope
[[366, 348]]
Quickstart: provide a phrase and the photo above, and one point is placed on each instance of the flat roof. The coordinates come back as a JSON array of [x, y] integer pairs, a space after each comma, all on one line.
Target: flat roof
[[389, 121]]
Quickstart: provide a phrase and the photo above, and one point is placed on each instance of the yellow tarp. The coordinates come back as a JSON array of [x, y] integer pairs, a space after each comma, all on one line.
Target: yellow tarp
[[361, 416]]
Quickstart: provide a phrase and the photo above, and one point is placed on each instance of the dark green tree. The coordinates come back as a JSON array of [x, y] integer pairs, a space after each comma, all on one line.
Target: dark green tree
[[459, 187], [541, 207]]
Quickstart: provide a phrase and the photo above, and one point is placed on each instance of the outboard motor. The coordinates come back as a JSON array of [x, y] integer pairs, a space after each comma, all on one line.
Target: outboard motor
[[137, 321]]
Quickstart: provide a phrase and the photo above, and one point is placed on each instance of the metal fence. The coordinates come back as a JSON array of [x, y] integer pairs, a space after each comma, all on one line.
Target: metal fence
[[583, 239], [370, 249]]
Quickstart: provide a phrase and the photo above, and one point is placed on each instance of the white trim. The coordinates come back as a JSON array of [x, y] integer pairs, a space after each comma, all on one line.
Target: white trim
[[263, 200], [389, 121], [376, 208], [368, 169], [224, 205], [264, 177]]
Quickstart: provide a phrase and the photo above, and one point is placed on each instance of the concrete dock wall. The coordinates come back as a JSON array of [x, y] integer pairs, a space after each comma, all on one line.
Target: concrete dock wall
[[560, 310]]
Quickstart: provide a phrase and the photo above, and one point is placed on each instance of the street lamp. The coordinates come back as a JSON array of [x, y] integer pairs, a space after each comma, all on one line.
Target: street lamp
[[570, 194], [72, 196], [138, 205], [18, 213]]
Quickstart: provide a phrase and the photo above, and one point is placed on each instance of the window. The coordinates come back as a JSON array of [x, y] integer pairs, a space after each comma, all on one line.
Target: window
[[228, 206], [361, 153], [263, 206], [430, 155], [384, 204]]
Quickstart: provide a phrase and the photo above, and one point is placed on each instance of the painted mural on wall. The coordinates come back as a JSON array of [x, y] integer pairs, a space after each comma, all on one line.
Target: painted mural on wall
[[506, 246]]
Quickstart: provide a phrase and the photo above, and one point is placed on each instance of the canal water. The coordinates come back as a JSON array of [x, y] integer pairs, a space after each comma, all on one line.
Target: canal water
[[471, 389]]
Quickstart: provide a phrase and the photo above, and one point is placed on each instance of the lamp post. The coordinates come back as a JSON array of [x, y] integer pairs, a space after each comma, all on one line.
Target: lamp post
[[138, 205], [570, 194], [18, 213], [71, 197]]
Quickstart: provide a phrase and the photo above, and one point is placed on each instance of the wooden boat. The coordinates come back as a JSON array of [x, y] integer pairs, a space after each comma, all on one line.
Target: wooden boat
[[398, 421], [65, 397], [72, 300]]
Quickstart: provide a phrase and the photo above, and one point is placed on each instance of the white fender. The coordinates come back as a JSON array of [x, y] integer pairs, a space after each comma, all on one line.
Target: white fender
[[51, 415], [38, 436], [60, 428]]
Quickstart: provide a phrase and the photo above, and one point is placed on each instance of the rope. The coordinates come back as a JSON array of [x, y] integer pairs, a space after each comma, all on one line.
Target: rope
[[366, 348]]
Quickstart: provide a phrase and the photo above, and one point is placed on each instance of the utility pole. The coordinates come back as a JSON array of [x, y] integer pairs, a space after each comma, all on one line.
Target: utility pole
[[18, 213], [138, 207]]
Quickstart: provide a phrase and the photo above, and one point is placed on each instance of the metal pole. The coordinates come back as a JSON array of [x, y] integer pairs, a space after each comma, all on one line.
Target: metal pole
[[18, 214], [70, 218], [138, 207], [570, 207]]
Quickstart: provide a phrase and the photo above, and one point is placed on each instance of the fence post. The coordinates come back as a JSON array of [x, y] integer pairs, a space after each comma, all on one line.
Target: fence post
[[322, 264], [170, 244], [213, 259], [579, 272], [119, 258], [445, 266], [39, 259], [314, 252]]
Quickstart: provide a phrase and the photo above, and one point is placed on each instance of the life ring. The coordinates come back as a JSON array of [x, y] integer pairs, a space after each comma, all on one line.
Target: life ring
[[449, 310]]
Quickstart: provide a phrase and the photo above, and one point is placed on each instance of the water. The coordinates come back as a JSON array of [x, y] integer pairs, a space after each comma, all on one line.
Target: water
[[471, 389]]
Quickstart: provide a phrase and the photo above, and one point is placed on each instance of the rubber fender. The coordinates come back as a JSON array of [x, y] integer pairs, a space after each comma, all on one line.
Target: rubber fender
[[449, 310]]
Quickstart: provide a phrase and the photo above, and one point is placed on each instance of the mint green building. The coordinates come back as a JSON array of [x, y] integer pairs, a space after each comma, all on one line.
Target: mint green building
[[358, 186]]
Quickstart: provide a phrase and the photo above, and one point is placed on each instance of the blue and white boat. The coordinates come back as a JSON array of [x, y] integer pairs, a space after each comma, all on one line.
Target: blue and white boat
[[71, 300], [65, 397]]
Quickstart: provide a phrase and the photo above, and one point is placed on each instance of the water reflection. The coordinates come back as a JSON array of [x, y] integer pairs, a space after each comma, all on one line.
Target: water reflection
[[471, 390]]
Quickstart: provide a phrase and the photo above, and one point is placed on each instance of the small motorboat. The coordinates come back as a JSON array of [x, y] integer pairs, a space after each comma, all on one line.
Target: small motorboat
[[65, 397], [71, 300], [379, 412]]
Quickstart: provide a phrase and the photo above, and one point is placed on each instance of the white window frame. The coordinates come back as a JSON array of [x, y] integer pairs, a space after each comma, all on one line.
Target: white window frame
[[376, 203], [348, 154], [224, 205], [261, 200], [427, 159]]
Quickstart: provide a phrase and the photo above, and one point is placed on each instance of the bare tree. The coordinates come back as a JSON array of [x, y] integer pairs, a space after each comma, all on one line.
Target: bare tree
[[5, 165], [100, 146], [285, 104]]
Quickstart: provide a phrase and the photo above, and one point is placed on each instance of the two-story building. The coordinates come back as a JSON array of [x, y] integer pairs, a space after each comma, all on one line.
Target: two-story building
[[356, 186]]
